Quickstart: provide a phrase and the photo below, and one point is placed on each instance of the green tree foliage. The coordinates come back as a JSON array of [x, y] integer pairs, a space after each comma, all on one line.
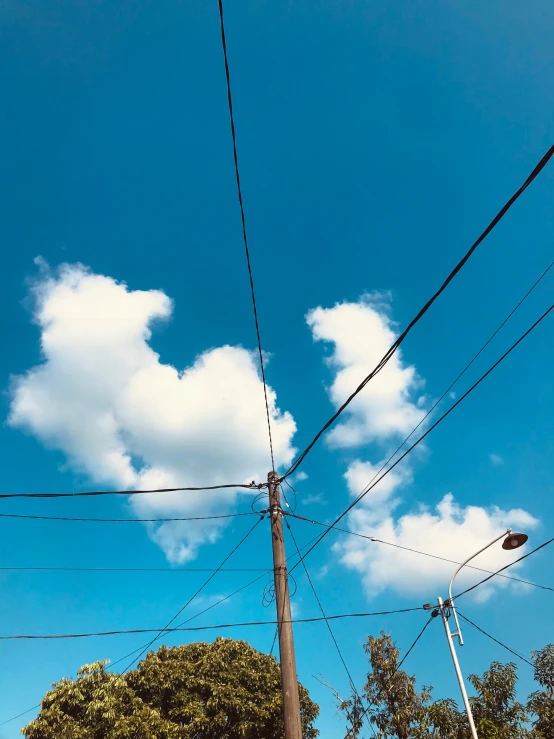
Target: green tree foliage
[[541, 703], [223, 690], [396, 708], [393, 704], [496, 713]]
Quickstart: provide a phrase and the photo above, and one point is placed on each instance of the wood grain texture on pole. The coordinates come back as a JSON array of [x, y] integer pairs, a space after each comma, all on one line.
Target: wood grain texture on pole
[[289, 679]]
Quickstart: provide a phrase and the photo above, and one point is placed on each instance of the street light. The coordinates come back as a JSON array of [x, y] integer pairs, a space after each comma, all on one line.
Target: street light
[[511, 541]]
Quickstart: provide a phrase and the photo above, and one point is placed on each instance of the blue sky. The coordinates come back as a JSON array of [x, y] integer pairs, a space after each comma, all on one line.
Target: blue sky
[[376, 141]]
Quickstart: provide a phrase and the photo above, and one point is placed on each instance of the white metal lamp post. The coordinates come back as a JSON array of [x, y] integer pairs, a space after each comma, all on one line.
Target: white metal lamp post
[[511, 541]]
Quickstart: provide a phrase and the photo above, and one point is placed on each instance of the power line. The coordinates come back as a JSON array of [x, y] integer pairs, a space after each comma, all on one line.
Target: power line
[[196, 615], [200, 589], [418, 637], [513, 651], [135, 651], [251, 486], [19, 715], [418, 551], [175, 570], [520, 559], [465, 369], [205, 628], [536, 171], [200, 613], [243, 221], [312, 586], [432, 427], [124, 520]]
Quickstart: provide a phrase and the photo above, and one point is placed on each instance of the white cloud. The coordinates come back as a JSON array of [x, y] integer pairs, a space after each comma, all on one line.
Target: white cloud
[[361, 333], [382, 497], [386, 411], [450, 530], [312, 499], [300, 476], [104, 397], [295, 608], [496, 460]]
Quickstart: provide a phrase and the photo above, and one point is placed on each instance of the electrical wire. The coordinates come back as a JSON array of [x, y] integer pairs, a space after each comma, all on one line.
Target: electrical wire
[[196, 615], [418, 637], [200, 589], [243, 221], [131, 569], [292, 510], [273, 642], [418, 551], [432, 427], [520, 559], [251, 486], [312, 586], [19, 715], [391, 351], [205, 628], [465, 369], [200, 613], [513, 651], [124, 520]]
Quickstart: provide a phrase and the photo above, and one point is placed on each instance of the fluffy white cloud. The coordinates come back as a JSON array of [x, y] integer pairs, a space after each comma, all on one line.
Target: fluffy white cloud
[[361, 333], [450, 531], [496, 460], [384, 413], [103, 396]]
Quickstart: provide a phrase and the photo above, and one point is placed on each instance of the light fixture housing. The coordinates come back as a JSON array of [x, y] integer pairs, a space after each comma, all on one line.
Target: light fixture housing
[[514, 541]]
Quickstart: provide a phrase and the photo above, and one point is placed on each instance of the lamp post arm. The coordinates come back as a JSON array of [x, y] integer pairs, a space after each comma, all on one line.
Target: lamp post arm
[[450, 601]]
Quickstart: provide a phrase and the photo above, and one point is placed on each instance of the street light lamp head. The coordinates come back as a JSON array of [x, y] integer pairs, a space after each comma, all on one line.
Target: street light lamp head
[[514, 541]]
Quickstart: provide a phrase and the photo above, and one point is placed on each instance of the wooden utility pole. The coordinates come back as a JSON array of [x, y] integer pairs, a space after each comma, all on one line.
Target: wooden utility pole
[[289, 679]]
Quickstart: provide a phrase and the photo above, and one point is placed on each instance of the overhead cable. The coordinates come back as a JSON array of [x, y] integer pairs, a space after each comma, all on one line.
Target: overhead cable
[[125, 520], [206, 628], [243, 221], [213, 605], [175, 570], [505, 646], [430, 429], [418, 637], [19, 715], [200, 589], [320, 605], [391, 351], [462, 373], [87, 493]]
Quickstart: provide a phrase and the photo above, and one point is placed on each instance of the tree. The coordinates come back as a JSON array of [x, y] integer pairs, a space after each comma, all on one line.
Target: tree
[[395, 706], [541, 703], [496, 712], [223, 690], [398, 709]]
